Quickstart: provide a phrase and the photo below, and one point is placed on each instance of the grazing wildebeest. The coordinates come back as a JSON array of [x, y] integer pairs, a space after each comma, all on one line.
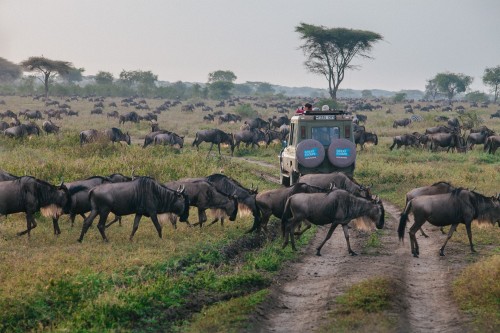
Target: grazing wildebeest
[[404, 140], [336, 207], [141, 196], [22, 130], [150, 137], [492, 143], [252, 137], [339, 179], [362, 137], [273, 202], [214, 136], [245, 196], [458, 206], [169, 139], [402, 122], [88, 136], [229, 117], [33, 114], [30, 195], [113, 114], [131, 116], [478, 137], [49, 127], [447, 140], [7, 176], [96, 111], [205, 195], [116, 135]]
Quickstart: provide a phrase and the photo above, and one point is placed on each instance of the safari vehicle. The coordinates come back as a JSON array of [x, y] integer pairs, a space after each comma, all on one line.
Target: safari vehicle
[[318, 142]]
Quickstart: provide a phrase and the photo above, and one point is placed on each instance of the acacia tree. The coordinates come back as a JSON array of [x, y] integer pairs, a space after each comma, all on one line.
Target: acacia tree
[[104, 77], [330, 51], [491, 78], [451, 84], [48, 68]]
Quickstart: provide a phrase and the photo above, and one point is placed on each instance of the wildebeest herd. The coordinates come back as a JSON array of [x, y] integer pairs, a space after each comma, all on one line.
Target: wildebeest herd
[[319, 199]]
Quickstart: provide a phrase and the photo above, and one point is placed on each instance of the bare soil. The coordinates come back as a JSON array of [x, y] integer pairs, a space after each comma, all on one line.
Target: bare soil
[[306, 290]]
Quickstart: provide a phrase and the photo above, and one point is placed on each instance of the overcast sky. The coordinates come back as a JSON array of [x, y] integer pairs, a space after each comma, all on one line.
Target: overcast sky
[[184, 40]]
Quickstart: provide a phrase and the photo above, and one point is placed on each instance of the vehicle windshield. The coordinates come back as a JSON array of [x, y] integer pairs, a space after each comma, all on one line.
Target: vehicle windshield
[[325, 135]]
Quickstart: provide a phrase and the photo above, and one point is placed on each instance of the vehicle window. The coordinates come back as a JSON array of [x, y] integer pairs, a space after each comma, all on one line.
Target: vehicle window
[[291, 135], [325, 135]]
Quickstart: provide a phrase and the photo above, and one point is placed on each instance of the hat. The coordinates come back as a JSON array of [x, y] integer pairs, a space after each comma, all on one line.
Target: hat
[[315, 109], [325, 108]]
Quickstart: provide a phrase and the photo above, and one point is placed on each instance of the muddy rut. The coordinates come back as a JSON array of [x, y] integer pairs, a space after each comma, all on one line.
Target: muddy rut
[[306, 290]]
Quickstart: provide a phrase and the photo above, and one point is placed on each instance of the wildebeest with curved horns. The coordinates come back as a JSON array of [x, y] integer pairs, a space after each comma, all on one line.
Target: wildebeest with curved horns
[[363, 137], [214, 136], [205, 195], [30, 195], [141, 196], [404, 140], [458, 206], [336, 207], [340, 180]]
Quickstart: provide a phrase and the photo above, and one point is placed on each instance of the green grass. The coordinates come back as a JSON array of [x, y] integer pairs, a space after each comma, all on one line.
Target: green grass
[[361, 308]]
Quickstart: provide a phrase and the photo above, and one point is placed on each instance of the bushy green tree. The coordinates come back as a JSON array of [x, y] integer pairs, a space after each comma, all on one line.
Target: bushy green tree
[[330, 51], [246, 111], [451, 84], [48, 68], [431, 89], [220, 83], [399, 97], [104, 78], [73, 75], [476, 96], [491, 78]]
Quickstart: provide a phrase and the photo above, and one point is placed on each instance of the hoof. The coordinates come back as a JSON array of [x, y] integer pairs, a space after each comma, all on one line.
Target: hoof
[[352, 253], [441, 253], [415, 255], [318, 254], [79, 240]]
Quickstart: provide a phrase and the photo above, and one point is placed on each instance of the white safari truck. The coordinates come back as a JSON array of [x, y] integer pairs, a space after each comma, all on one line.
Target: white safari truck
[[318, 142]]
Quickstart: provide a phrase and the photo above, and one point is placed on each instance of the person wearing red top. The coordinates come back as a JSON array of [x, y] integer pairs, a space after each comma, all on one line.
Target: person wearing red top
[[306, 107]]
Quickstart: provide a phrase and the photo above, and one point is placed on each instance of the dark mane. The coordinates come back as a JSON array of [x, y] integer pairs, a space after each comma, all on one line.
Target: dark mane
[[103, 178], [442, 182], [220, 177]]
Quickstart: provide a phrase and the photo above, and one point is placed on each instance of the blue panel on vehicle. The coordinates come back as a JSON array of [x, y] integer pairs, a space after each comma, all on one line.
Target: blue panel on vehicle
[[311, 153], [342, 152]]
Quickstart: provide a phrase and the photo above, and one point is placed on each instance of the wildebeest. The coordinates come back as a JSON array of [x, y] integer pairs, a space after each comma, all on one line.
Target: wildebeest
[[150, 137], [478, 138], [116, 135], [492, 143], [229, 117], [7, 176], [439, 129], [404, 140], [30, 195], [273, 202], [248, 137], [495, 115], [362, 137], [22, 130], [88, 136], [131, 116], [245, 196], [272, 135], [401, 122], [49, 127], [96, 111], [4, 125], [459, 206], [169, 139], [340, 180], [113, 114], [141, 196], [336, 207], [214, 136], [277, 122], [258, 123], [205, 195], [33, 114], [447, 140]]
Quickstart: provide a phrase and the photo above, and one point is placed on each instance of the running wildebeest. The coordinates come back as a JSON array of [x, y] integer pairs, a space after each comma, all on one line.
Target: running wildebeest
[[205, 195], [141, 196], [458, 206], [336, 207], [30, 195], [214, 136]]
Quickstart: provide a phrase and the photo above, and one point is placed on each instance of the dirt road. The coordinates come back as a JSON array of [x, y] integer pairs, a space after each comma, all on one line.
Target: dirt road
[[306, 290]]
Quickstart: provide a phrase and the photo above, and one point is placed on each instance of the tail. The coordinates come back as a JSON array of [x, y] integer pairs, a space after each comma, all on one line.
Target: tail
[[403, 220], [287, 213], [195, 140]]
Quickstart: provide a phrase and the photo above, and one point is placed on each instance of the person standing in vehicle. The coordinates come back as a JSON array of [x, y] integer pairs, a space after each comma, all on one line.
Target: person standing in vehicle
[[306, 107]]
